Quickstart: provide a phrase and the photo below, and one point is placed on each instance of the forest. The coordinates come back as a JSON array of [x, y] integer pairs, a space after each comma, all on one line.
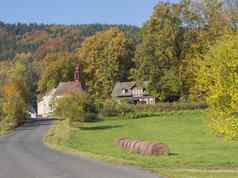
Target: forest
[[187, 51]]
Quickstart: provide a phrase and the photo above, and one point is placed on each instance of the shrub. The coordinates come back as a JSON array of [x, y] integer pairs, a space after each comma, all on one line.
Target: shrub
[[17, 95], [167, 107], [58, 134], [14, 113], [90, 117], [125, 108], [1, 111], [114, 108], [217, 81], [138, 115], [109, 108], [76, 108]]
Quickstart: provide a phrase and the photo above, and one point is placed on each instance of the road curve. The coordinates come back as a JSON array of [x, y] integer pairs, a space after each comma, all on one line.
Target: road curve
[[22, 155]]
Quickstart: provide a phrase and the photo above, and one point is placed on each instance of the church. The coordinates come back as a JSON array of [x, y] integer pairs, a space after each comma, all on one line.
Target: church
[[44, 106]]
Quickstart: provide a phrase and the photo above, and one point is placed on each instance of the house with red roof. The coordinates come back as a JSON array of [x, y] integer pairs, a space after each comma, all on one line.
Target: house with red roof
[[45, 108]]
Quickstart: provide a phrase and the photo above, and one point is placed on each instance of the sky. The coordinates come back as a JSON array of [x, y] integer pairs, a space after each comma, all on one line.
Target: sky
[[134, 12]]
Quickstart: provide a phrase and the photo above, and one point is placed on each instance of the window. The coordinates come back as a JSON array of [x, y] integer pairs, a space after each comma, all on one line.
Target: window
[[137, 92], [125, 91]]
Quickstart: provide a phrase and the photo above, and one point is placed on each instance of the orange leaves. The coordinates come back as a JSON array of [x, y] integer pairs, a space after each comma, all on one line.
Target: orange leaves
[[51, 44], [10, 90], [36, 36]]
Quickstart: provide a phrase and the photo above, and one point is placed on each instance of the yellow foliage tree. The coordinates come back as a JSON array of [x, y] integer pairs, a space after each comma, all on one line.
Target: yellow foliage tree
[[56, 68], [106, 58], [17, 96], [217, 81], [14, 108]]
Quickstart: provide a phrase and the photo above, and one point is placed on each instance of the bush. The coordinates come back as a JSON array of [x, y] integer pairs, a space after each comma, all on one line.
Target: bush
[[114, 108], [17, 92], [1, 111], [58, 134], [109, 108], [14, 113], [217, 81], [76, 108], [90, 117], [137, 115], [125, 108], [167, 107]]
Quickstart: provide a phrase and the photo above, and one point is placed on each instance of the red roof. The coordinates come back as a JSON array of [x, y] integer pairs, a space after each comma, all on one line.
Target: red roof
[[66, 88]]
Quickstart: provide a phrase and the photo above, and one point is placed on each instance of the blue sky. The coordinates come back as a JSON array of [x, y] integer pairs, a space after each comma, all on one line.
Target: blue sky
[[134, 12]]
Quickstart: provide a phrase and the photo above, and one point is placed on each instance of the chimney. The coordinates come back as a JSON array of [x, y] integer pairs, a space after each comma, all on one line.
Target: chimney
[[77, 73]]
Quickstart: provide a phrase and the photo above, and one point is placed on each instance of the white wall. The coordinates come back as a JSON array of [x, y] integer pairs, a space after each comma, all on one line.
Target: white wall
[[44, 106]]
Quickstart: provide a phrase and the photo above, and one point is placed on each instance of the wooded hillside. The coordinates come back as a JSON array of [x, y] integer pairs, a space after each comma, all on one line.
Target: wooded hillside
[[38, 39]]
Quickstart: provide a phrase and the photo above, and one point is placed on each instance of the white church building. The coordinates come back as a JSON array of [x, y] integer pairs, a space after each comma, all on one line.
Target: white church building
[[45, 108]]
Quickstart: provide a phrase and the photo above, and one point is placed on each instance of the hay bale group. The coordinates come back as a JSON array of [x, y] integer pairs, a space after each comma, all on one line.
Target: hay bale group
[[144, 147]]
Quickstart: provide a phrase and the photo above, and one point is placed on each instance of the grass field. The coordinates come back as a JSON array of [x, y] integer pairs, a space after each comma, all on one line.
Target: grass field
[[196, 152]]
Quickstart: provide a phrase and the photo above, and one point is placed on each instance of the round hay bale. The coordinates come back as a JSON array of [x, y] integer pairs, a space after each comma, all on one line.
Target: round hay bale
[[121, 141], [127, 142], [135, 143], [137, 147], [144, 147], [132, 145], [160, 149], [129, 145], [148, 150]]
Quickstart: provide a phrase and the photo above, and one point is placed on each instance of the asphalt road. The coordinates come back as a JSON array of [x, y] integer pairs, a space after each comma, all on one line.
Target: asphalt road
[[22, 155]]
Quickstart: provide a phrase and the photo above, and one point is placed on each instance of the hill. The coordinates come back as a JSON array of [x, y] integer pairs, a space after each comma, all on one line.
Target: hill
[[38, 39]]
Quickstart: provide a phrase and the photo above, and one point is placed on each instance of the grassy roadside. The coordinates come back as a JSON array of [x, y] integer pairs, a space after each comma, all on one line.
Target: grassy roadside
[[197, 153], [4, 132]]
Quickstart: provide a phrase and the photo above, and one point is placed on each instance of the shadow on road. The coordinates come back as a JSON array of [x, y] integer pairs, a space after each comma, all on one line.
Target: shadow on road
[[35, 122]]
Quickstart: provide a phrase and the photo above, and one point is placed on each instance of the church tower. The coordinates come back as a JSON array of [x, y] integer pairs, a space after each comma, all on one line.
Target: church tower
[[77, 77]]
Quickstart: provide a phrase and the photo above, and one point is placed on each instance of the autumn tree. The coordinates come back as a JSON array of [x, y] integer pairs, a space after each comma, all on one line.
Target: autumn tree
[[218, 18], [14, 108], [106, 58], [55, 68], [17, 95], [21, 77], [174, 40], [167, 37], [217, 81]]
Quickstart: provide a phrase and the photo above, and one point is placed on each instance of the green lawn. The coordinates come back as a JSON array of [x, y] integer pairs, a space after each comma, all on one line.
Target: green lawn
[[196, 152]]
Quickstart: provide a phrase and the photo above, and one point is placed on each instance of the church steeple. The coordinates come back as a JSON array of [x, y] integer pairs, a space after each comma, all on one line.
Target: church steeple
[[77, 73]]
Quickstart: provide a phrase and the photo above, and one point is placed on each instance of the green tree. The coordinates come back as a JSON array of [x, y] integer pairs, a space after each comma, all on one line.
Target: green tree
[[14, 111], [217, 20], [21, 77], [167, 37], [75, 108], [56, 68], [217, 81], [17, 95], [106, 58]]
